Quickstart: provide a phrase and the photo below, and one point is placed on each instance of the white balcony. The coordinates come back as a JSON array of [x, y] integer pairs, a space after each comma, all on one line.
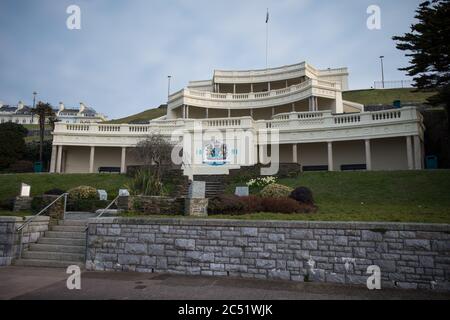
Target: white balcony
[[252, 100]]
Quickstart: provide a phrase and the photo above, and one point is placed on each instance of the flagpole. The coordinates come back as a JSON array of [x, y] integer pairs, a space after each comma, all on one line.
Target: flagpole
[[267, 38]]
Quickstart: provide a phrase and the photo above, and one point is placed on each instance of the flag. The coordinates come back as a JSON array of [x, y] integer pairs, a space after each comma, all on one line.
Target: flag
[[267, 16]]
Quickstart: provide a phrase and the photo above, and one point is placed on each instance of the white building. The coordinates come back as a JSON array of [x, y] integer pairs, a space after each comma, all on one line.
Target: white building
[[22, 114], [240, 118]]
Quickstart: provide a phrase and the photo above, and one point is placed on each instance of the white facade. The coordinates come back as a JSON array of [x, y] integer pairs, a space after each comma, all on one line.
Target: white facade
[[289, 114], [22, 114]]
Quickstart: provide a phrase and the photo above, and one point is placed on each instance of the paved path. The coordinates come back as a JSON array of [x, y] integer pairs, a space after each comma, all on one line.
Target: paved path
[[47, 283]]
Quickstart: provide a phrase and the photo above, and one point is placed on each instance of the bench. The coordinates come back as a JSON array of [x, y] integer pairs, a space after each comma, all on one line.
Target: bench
[[353, 167], [315, 168], [109, 169]]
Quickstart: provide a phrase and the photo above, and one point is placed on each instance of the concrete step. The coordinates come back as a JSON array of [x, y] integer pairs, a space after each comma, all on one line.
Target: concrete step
[[65, 228], [64, 234], [45, 255], [56, 248], [63, 241], [46, 263], [68, 222], [72, 215]]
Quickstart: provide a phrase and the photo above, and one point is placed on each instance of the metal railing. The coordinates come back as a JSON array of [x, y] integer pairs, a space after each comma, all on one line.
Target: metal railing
[[98, 216], [20, 229], [45, 209]]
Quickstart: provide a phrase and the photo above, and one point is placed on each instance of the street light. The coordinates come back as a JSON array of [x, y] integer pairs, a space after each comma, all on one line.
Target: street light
[[382, 71], [34, 98], [168, 88]]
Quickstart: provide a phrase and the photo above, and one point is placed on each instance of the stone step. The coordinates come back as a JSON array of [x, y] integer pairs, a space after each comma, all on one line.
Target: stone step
[[57, 248], [47, 263], [65, 228], [64, 234], [46, 255], [72, 215], [63, 241], [68, 222]]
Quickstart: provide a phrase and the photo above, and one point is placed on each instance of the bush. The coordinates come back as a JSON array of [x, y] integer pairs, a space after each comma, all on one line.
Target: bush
[[276, 190], [226, 204], [303, 195], [281, 205], [83, 192], [7, 204], [145, 183], [87, 205], [54, 192], [252, 204], [21, 166]]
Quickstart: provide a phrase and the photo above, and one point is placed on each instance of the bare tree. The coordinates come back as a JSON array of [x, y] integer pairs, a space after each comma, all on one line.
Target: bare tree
[[155, 151]]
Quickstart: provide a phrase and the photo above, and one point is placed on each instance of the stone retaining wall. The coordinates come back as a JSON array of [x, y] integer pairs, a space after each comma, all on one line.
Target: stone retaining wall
[[10, 239], [409, 255]]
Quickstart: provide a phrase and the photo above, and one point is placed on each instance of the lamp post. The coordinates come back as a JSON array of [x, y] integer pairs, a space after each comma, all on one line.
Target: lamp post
[[34, 98], [382, 71], [168, 88]]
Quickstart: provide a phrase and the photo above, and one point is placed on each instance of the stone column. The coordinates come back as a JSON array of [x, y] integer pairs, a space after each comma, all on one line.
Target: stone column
[[294, 153], [251, 87], [251, 113], [368, 155], [187, 111], [53, 159], [316, 104], [273, 111], [417, 153], [59, 159], [293, 107], [310, 104], [330, 156], [184, 111], [207, 112], [268, 86], [234, 88], [123, 168], [229, 113], [409, 153], [91, 160]]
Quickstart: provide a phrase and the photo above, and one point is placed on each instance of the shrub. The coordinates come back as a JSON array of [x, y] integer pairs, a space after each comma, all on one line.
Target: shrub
[[303, 195], [21, 166], [281, 205], [145, 183], [252, 204], [7, 204], [276, 190], [87, 205], [54, 192], [83, 192], [261, 182], [226, 204]]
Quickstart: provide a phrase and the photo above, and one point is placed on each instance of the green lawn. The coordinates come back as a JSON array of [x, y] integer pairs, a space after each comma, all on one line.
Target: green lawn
[[10, 183], [142, 116], [386, 96], [420, 196], [407, 196]]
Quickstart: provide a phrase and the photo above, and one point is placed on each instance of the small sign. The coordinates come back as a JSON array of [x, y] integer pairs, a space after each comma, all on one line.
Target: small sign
[[124, 193], [102, 194], [241, 191], [25, 190]]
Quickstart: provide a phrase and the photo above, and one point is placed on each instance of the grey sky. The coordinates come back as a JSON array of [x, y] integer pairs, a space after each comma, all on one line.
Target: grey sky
[[119, 61]]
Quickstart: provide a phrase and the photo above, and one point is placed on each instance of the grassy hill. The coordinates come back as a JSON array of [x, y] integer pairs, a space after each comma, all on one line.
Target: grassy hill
[[143, 116], [386, 96]]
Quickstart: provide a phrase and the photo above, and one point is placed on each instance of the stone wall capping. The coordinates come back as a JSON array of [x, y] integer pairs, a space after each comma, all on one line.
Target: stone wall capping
[[376, 226]]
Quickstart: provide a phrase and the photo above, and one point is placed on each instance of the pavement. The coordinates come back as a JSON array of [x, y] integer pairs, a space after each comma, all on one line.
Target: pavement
[[32, 283]]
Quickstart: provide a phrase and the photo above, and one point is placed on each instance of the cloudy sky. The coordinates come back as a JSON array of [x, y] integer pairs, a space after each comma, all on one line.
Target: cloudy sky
[[119, 61]]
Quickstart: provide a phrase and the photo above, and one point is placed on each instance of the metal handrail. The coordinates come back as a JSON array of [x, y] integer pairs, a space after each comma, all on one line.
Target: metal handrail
[[43, 210], [103, 210]]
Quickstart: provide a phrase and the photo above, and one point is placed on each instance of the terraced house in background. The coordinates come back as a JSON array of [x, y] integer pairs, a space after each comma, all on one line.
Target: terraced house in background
[[228, 122]]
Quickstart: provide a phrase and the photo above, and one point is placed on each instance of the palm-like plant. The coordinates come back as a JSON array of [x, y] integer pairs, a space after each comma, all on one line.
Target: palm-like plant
[[43, 111]]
